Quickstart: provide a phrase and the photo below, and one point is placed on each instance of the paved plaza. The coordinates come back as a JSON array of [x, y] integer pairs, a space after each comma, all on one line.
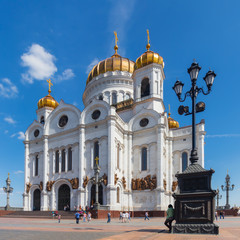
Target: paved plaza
[[137, 228]]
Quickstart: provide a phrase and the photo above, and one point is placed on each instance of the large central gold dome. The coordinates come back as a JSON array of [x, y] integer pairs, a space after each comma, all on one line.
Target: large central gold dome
[[114, 63]]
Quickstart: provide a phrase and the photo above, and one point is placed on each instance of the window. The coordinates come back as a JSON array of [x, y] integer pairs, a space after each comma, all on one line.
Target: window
[[118, 155], [127, 96], [42, 120], [69, 159], [57, 162], [63, 160], [96, 152], [114, 98], [144, 159], [118, 195], [100, 97], [36, 166], [184, 161], [145, 87]]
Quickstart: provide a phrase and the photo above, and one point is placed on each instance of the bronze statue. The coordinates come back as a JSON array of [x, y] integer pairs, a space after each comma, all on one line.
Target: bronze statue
[[144, 183], [41, 186], [28, 186], [116, 179], [174, 185], [85, 181], [124, 182], [104, 179], [74, 182], [49, 185]]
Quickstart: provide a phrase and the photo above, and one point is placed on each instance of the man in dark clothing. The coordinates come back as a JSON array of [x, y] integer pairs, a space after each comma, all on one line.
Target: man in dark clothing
[[170, 217]]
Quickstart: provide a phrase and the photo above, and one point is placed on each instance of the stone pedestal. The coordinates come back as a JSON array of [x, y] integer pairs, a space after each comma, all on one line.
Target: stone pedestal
[[195, 204]]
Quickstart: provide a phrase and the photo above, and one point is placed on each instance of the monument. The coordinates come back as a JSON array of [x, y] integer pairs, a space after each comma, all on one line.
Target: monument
[[8, 189]]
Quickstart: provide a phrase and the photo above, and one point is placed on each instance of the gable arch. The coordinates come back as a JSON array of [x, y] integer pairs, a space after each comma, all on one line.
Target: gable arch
[[30, 131]]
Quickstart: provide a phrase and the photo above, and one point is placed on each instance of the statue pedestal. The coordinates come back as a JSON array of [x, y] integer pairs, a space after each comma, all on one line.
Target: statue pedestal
[[195, 204]]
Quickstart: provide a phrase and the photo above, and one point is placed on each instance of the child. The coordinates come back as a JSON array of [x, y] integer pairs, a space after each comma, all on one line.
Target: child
[[59, 218]]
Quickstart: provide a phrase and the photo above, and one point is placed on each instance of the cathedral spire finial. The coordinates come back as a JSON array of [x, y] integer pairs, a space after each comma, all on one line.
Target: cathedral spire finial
[[49, 85], [148, 44], [116, 41], [169, 110]]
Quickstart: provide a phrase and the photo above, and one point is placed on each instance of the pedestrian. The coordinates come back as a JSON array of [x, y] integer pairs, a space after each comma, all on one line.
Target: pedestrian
[[170, 217], [89, 216], [146, 216], [216, 215], [221, 215], [129, 216], [77, 215], [109, 217], [84, 216], [59, 218], [120, 216]]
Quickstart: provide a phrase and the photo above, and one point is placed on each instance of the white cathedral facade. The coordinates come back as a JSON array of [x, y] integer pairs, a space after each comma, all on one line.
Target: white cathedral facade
[[124, 124]]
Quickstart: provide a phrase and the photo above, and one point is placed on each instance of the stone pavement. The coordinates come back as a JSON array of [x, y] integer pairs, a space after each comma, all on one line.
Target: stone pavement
[[28, 229]]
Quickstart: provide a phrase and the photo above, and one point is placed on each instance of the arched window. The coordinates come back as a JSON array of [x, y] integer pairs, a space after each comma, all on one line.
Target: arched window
[[96, 151], [100, 97], [69, 159], [57, 162], [36, 165], [144, 159], [118, 195], [145, 87], [184, 161], [118, 155], [42, 120], [114, 98], [63, 160], [127, 96]]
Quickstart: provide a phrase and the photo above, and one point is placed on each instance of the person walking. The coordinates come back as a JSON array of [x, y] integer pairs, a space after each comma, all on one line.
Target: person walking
[[170, 217], [89, 216], [146, 216], [109, 217], [84, 216], [59, 218], [77, 215], [216, 215]]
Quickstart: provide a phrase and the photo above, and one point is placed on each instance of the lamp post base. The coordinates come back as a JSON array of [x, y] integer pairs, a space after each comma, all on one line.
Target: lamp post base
[[210, 228], [96, 206]]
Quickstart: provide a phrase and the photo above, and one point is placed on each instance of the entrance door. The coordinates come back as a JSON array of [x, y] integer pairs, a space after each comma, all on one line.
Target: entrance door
[[36, 200], [63, 197], [93, 194]]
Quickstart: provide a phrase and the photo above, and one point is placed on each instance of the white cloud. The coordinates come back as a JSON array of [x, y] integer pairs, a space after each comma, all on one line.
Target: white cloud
[[222, 135], [7, 88], [91, 65], [9, 120], [18, 172], [20, 135], [75, 104], [66, 75], [40, 64]]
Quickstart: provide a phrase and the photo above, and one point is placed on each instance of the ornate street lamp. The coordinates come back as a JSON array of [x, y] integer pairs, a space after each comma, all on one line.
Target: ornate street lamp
[[194, 200], [8, 190], [227, 188], [193, 93], [218, 198]]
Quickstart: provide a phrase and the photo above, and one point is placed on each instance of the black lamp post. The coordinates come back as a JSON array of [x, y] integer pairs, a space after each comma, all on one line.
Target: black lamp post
[[193, 93], [227, 188], [194, 200], [8, 189], [218, 198]]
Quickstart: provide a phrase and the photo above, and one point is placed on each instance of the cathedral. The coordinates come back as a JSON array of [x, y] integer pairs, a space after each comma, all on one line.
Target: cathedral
[[124, 129]]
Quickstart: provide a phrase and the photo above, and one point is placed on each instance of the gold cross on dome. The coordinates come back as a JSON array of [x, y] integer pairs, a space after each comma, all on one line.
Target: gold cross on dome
[[96, 159], [116, 38], [49, 84], [148, 36]]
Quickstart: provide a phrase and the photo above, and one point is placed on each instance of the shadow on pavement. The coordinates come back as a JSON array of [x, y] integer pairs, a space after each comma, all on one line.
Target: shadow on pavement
[[88, 229]]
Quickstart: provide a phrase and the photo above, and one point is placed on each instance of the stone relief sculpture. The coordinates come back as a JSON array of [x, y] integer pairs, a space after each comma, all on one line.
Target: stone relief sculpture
[[85, 181], [174, 185], [124, 182], [41, 186], [74, 182], [149, 182], [165, 184], [49, 185], [116, 179], [104, 179], [28, 186]]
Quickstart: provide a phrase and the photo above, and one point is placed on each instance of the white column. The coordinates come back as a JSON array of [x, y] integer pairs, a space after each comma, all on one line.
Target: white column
[[66, 159], [81, 163], [111, 162], [170, 169], [91, 153], [44, 203], [60, 161], [26, 177], [129, 174], [53, 161]]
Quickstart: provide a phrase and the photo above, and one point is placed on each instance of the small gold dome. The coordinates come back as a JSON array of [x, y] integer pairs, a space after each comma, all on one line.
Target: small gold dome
[[172, 123], [148, 57], [114, 63], [47, 101]]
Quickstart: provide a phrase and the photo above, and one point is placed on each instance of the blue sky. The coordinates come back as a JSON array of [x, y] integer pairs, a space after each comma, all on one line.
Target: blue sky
[[63, 39]]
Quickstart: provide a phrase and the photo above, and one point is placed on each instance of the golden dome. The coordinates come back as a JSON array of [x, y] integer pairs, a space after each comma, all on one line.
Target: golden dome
[[114, 63], [48, 101], [148, 57], [172, 123]]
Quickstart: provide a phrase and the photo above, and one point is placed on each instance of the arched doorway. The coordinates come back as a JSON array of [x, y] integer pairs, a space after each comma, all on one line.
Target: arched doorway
[[63, 197], [93, 194], [36, 200]]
